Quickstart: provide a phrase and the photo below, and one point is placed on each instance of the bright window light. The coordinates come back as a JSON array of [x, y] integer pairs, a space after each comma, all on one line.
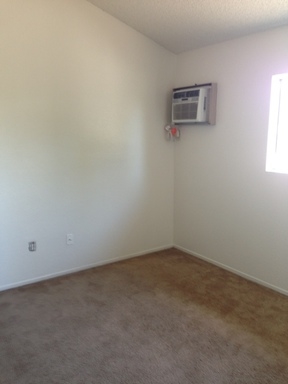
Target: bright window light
[[277, 146]]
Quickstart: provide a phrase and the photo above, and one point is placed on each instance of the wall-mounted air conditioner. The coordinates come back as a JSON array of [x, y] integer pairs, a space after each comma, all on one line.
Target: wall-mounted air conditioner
[[194, 104]]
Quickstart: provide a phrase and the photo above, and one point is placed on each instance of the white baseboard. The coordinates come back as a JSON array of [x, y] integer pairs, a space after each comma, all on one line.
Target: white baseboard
[[233, 270], [81, 268], [104, 262]]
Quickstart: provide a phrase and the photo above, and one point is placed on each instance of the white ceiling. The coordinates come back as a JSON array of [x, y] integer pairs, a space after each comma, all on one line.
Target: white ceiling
[[182, 25]]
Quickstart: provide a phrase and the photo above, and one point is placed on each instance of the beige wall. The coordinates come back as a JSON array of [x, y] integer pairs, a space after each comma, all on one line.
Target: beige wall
[[83, 103], [227, 208]]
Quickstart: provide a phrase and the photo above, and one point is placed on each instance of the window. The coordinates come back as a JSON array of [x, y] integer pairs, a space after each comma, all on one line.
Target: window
[[277, 146]]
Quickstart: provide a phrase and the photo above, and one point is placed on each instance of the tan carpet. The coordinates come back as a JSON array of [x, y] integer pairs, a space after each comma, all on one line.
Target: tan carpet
[[164, 318]]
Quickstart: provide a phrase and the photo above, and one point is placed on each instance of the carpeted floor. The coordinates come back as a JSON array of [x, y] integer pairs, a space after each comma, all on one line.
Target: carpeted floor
[[164, 318]]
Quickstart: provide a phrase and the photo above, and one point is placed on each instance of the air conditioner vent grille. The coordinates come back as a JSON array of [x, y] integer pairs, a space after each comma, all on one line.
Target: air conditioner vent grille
[[185, 111]]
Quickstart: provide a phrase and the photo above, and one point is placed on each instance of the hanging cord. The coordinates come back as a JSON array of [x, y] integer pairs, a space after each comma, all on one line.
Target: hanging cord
[[172, 132]]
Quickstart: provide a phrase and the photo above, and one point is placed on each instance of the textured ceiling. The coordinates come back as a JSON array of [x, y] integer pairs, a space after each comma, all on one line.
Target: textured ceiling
[[182, 25]]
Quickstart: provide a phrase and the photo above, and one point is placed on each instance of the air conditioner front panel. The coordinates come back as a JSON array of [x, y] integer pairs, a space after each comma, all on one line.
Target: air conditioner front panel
[[193, 105]]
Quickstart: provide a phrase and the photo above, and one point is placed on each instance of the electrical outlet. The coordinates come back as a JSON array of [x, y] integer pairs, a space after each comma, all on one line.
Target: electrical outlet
[[69, 239], [32, 246]]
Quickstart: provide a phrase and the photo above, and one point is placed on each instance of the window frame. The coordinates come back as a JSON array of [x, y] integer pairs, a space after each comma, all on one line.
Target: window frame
[[277, 142]]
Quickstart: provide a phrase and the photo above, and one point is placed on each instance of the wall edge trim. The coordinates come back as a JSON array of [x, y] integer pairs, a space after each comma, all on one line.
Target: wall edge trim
[[233, 270], [82, 268]]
